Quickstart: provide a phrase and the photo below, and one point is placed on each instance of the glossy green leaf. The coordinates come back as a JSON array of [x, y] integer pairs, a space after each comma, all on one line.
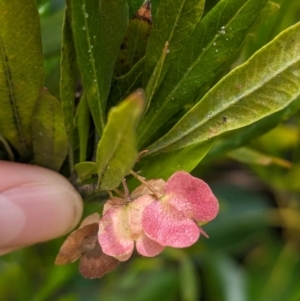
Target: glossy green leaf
[[175, 20], [21, 72], [251, 156], [266, 83], [126, 84], [154, 80], [68, 78], [97, 41], [214, 42], [165, 164], [50, 143], [83, 125], [154, 7], [85, 170], [240, 137], [133, 47], [117, 152]]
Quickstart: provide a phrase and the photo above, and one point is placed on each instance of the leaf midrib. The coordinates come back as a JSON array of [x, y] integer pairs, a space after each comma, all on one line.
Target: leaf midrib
[[92, 61], [185, 75], [289, 64], [119, 139], [12, 97]]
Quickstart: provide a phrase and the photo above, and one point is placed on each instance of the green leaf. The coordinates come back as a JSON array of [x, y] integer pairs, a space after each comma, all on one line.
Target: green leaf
[[154, 80], [133, 47], [214, 42], [126, 84], [175, 20], [266, 83], [50, 143], [85, 170], [280, 270], [98, 29], [21, 72], [165, 164], [68, 80], [189, 281], [154, 7], [239, 137], [52, 33], [251, 156], [83, 126], [117, 152]]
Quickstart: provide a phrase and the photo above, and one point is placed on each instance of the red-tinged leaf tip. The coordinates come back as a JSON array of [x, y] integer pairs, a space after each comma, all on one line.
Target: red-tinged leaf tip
[[114, 234], [191, 196], [166, 225]]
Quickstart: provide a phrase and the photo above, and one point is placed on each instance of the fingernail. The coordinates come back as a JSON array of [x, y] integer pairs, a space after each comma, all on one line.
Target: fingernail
[[37, 212]]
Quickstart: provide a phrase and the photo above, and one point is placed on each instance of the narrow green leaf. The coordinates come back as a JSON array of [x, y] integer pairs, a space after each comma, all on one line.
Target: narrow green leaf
[[68, 78], [98, 29], [155, 78], [83, 126], [126, 84], [165, 164], [117, 152], [281, 276], [266, 83], [133, 47], [242, 136], [175, 20], [50, 143], [251, 156], [21, 71], [85, 170], [214, 42], [52, 34], [189, 282]]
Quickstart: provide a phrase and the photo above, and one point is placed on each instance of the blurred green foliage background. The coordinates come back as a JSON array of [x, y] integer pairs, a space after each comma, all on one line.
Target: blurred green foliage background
[[253, 252]]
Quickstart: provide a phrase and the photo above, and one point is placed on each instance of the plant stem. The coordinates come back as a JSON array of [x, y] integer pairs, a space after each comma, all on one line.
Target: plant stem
[[126, 190], [150, 187]]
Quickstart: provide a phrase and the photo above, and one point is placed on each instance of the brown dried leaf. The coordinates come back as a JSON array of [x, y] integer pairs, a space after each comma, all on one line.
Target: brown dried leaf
[[84, 242], [94, 263], [74, 246]]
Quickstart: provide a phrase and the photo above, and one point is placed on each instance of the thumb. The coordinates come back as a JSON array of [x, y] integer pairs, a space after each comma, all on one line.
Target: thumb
[[36, 204]]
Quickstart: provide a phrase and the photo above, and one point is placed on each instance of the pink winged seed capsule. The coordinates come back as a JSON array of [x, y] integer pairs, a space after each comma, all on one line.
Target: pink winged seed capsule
[[153, 222], [120, 229], [171, 221]]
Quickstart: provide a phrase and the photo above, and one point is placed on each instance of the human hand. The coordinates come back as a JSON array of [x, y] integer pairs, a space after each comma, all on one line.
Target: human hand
[[36, 204]]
